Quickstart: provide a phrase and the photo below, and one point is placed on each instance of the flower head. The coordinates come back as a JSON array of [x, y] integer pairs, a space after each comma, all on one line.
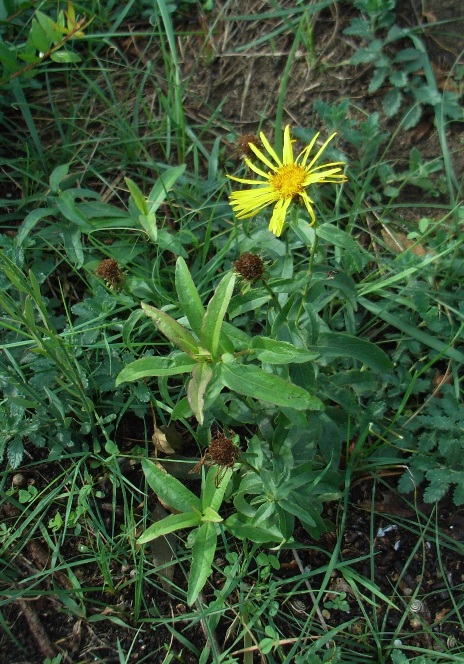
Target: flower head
[[243, 145], [249, 266], [222, 450], [286, 180], [109, 270]]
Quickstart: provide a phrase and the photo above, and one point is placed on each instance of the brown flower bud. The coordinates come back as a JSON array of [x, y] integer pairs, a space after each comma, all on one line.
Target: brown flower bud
[[249, 266], [243, 145], [222, 451], [110, 271]]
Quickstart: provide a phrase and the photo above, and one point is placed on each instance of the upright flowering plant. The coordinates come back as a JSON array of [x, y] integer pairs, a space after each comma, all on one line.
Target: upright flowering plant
[[287, 179]]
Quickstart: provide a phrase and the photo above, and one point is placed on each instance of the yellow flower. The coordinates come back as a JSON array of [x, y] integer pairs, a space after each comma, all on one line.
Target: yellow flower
[[286, 180]]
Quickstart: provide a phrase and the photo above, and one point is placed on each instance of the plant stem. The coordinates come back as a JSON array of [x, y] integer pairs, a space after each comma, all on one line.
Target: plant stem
[[312, 254], [272, 294]]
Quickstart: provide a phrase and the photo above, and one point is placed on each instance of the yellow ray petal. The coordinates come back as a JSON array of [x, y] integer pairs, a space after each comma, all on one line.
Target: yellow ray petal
[[257, 170], [287, 180], [340, 164], [331, 175], [253, 201], [320, 151], [245, 181], [263, 157], [271, 150], [307, 150], [309, 206], [288, 147], [277, 222]]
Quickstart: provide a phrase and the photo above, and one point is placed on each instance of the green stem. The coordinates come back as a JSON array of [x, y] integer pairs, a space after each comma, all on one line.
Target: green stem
[[272, 294], [312, 255], [283, 88]]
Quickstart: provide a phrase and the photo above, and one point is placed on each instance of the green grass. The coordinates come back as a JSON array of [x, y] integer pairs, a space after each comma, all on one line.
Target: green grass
[[373, 292]]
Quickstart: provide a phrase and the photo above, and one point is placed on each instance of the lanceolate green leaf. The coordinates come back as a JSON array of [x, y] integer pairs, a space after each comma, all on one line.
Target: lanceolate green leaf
[[71, 211], [156, 366], [40, 39], [163, 185], [244, 529], [48, 26], [148, 223], [298, 511], [57, 176], [64, 57], [201, 377], [202, 558], [137, 195], [339, 344], [215, 312], [174, 331], [72, 240], [170, 524], [254, 382], [212, 495], [188, 296], [146, 218], [280, 352], [31, 220], [191, 305], [169, 489], [339, 238], [211, 515]]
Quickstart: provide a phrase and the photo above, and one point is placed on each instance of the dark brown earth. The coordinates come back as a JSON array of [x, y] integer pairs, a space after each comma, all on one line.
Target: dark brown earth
[[411, 553]]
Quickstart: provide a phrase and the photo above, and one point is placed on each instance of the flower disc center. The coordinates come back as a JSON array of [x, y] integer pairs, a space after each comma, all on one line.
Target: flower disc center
[[289, 180]]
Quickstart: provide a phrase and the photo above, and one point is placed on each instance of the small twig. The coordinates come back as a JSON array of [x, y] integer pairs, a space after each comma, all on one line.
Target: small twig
[[46, 55], [46, 647], [209, 635], [333, 35], [310, 591], [246, 87], [281, 642]]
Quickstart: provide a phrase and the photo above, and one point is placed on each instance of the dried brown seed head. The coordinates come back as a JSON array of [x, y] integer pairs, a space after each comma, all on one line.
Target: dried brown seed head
[[222, 450], [109, 270], [243, 145], [249, 266]]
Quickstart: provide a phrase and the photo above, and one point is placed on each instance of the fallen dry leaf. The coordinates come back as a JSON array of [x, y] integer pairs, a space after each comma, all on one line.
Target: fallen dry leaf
[[163, 550], [399, 242], [167, 439]]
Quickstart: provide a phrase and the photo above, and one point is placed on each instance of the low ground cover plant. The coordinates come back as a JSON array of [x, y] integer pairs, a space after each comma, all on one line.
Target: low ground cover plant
[[231, 411]]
